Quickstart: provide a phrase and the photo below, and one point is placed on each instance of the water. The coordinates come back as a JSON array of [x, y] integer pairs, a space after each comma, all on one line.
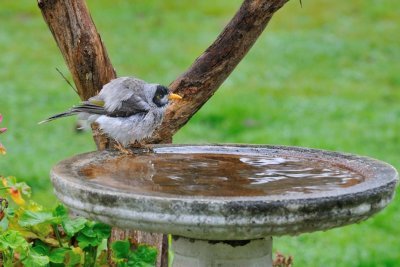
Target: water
[[219, 174]]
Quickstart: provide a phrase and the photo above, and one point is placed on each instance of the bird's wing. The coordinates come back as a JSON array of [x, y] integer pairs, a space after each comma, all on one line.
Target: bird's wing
[[122, 97], [131, 106], [90, 108]]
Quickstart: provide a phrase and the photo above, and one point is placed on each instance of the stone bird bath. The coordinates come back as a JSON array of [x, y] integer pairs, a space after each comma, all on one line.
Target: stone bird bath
[[223, 203]]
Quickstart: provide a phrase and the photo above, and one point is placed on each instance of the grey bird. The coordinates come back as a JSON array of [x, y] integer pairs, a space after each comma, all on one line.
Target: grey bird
[[127, 109]]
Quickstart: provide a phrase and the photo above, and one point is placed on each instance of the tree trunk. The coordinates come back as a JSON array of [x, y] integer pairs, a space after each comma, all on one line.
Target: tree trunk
[[75, 33]]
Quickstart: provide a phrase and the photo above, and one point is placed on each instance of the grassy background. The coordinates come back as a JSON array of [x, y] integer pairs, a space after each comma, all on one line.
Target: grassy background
[[325, 76]]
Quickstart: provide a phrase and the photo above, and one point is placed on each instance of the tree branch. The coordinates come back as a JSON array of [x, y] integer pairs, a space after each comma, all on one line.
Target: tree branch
[[211, 69], [84, 53], [75, 33]]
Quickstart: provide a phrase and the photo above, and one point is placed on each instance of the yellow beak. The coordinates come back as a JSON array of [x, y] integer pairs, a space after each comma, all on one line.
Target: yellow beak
[[174, 97]]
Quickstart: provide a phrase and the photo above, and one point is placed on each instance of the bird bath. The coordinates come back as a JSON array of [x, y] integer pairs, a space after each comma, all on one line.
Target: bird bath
[[223, 203]]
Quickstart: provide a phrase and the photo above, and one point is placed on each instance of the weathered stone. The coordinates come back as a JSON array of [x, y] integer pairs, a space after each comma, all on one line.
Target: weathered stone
[[226, 217]]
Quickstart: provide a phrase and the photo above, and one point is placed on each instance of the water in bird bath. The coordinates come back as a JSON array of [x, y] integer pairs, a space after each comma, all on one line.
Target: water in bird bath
[[210, 174], [225, 192]]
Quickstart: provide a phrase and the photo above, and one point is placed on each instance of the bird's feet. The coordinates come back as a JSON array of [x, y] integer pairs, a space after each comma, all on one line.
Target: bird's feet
[[118, 146], [141, 147], [134, 148]]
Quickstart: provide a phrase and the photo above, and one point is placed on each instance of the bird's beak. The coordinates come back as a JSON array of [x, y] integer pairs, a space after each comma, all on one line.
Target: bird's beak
[[174, 97]]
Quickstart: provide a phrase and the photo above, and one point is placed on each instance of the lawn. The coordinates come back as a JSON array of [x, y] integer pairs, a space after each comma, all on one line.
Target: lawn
[[325, 75]]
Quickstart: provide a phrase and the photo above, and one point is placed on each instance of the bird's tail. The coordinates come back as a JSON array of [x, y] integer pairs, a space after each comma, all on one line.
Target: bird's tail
[[85, 107], [59, 115]]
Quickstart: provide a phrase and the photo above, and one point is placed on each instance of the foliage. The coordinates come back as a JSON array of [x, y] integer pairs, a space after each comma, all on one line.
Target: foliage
[[34, 236], [124, 256]]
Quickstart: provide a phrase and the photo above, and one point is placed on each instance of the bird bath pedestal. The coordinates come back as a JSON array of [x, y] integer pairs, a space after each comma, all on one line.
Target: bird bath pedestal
[[223, 203]]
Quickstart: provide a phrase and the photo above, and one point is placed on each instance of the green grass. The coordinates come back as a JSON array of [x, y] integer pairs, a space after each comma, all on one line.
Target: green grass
[[325, 76]]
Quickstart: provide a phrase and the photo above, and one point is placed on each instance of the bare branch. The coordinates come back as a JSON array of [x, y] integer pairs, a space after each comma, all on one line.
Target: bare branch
[[211, 69], [75, 33], [67, 81]]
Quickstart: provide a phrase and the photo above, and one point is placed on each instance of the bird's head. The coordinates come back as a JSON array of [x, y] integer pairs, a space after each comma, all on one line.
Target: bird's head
[[162, 95]]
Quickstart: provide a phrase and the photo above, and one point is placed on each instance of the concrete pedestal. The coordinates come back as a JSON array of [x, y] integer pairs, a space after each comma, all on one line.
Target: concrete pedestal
[[206, 253]]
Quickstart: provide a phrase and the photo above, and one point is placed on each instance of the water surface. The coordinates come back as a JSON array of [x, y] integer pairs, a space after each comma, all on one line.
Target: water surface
[[219, 174]]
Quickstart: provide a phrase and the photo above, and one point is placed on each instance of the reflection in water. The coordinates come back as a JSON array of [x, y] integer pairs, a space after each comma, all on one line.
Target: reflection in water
[[219, 174]]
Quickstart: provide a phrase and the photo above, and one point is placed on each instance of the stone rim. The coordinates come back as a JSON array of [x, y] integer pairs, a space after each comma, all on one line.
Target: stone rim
[[232, 217]]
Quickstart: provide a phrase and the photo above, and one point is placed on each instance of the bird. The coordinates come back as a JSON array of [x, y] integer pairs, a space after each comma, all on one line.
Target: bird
[[127, 109]]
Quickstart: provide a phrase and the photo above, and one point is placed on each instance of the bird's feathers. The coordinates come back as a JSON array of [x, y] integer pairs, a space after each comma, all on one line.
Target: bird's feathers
[[85, 107], [125, 109], [56, 116], [118, 90], [97, 102], [90, 108], [129, 107], [130, 129]]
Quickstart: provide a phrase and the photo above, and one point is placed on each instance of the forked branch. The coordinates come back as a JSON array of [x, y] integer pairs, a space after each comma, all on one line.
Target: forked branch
[[76, 36]]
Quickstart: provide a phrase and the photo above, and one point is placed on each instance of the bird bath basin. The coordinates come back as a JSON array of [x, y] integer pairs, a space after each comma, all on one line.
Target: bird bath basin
[[223, 203]]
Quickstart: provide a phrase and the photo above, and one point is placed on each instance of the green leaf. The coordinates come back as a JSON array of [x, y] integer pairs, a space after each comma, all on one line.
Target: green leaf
[[102, 246], [73, 257], [12, 239], [58, 255], [35, 260], [88, 231], [85, 241], [41, 248], [42, 230], [102, 230], [11, 212], [93, 234], [143, 256], [120, 249], [60, 211], [4, 224], [31, 218], [72, 226], [22, 186]]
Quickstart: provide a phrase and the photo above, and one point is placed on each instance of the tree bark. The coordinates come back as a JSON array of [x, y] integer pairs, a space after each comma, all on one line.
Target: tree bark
[[84, 53], [75, 33], [211, 69], [76, 36]]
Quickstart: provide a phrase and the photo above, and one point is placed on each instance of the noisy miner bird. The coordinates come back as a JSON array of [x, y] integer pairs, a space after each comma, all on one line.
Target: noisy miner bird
[[127, 109]]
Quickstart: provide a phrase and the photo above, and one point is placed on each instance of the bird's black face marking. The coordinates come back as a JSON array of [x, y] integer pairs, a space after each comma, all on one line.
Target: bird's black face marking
[[161, 96]]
